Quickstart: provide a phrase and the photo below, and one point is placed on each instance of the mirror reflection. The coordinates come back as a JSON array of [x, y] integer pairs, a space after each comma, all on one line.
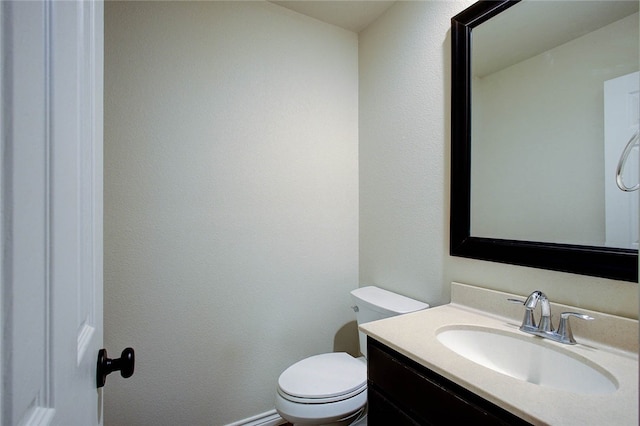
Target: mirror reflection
[[554, 102]]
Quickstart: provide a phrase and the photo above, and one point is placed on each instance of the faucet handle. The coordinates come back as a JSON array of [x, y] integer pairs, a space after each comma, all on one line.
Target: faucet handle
[[564, 328], [566, 315], [528, 322]]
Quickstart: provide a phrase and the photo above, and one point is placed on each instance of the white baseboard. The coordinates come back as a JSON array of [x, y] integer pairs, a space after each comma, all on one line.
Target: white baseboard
[[269, 418]]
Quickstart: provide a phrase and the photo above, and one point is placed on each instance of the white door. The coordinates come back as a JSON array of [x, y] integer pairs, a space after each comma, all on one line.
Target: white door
[[51, 216], [621, 115]]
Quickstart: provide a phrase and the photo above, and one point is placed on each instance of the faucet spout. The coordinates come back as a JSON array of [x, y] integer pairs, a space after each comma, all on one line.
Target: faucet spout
[[545, 325], [545, 313], [532, 300]]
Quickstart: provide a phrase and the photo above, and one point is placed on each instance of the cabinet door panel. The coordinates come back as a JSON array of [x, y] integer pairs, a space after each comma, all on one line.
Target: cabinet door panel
[[425, 396], [383, 412]]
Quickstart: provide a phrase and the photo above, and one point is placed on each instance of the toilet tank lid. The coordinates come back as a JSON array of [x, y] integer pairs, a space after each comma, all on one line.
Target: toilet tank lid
[[379, 298]]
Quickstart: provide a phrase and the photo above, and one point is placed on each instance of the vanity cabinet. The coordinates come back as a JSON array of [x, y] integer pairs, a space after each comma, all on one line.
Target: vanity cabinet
[[403, 392]]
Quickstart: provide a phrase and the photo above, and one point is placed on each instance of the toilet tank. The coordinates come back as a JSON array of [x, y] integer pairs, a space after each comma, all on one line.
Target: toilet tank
[[373, 303]]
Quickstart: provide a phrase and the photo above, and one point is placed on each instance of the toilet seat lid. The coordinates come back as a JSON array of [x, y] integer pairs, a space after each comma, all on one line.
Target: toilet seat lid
[[324, 376]]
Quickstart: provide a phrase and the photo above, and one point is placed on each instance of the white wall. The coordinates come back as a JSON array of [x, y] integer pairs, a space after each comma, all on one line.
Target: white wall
[[231, 209], [403, 108], [405, 69], [231, 202]]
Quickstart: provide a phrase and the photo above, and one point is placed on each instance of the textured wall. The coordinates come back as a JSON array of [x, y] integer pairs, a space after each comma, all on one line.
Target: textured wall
[[405, 121], [404, 149], [231, 195], [231, 209]]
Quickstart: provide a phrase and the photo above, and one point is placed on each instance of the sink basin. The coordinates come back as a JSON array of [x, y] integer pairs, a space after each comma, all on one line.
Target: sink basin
[[527, 358]]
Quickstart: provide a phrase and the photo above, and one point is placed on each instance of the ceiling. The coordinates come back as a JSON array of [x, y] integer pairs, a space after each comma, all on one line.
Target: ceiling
[[351, 15], [515, 34]]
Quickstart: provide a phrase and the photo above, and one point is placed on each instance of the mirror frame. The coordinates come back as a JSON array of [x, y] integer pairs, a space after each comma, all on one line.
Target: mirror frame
[[613, 263]]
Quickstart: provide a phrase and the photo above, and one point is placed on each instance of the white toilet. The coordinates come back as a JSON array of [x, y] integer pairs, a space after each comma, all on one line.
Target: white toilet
[[331, 389]]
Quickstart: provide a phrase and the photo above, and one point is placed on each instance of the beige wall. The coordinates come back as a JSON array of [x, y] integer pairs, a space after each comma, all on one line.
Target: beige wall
[[231, 209], [231, 198], [404, 149], [405, 123]]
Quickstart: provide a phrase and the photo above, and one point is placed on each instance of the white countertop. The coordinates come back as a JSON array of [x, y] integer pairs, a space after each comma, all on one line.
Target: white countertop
[[414, 335]]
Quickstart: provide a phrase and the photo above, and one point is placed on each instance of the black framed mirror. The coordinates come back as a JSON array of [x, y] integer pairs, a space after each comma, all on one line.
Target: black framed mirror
[[588, 259]]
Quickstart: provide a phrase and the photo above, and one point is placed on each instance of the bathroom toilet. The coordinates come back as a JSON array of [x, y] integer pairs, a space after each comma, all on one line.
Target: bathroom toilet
[[331, 388]]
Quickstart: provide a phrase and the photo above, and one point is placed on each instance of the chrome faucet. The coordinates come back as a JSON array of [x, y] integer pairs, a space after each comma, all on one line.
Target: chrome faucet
[[545, 327]]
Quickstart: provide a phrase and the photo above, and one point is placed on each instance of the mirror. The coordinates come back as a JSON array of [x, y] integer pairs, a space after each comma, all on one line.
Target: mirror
[[530, 171]]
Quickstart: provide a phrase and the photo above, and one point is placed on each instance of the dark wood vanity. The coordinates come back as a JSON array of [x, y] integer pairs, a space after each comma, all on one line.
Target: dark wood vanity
[[403, 392]]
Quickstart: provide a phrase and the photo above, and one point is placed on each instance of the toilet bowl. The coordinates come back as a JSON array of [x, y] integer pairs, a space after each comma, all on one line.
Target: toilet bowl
[[324, 389], [331, 388]]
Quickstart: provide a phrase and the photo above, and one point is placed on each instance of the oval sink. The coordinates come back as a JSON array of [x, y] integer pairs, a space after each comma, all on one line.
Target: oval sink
[[527, 359]]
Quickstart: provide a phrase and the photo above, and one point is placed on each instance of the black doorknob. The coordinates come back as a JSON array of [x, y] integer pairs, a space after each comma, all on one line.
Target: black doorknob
[[125, 364]]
